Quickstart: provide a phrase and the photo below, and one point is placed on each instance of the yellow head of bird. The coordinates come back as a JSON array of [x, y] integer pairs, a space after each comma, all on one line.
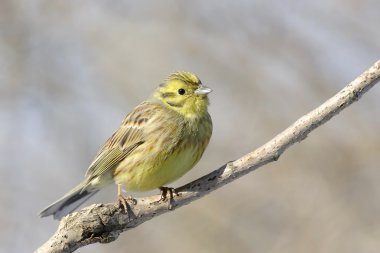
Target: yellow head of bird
[[184, 93]]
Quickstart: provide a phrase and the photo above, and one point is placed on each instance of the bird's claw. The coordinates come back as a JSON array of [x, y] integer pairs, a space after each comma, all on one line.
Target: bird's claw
[[164, 193], [122, 202]]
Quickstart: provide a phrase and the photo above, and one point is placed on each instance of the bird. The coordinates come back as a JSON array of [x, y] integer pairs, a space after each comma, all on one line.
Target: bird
[[159, 141]]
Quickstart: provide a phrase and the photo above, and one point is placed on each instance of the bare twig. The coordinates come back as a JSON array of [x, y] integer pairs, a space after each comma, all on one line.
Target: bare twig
[[104, 222]]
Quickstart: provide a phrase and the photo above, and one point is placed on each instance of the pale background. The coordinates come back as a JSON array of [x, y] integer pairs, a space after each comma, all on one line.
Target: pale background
[[71, 70]]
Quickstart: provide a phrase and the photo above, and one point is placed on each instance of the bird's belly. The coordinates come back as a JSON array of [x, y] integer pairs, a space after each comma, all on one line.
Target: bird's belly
[[155, 171]]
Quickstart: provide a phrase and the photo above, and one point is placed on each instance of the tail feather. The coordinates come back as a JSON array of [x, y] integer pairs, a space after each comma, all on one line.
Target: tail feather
[[69, 202]]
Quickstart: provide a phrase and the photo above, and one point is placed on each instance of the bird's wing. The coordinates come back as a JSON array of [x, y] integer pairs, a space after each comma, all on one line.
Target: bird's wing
[[124, 141]]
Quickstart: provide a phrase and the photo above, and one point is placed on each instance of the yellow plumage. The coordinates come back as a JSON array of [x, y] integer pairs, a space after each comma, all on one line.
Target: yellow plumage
[[158, 142]]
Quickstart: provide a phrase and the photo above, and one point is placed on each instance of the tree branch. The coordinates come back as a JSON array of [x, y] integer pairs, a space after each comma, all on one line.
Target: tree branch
[[104, 222]]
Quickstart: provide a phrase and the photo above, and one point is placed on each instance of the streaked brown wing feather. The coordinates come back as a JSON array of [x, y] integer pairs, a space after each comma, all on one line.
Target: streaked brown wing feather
[[129, 136], [110, 158]]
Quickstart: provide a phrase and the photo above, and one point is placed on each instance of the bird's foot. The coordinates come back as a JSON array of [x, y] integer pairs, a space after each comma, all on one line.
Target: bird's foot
[[164, 195], [122, 202]]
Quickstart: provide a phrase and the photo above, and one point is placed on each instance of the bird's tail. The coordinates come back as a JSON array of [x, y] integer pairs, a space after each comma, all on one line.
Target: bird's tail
[[69, 202]]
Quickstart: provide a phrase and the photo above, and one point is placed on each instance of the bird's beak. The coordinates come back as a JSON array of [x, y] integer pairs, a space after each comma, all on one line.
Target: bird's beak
[[202, 90]]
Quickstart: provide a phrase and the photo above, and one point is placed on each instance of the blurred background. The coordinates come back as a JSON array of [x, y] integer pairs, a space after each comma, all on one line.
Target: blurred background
[[71, 70]]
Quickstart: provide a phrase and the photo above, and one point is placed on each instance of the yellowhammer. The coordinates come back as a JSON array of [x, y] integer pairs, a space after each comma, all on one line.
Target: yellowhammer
[[158, 142]]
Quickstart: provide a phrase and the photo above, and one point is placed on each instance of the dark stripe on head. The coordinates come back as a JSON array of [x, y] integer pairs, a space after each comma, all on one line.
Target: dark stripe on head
[[168, 94], [179, 105], [185, 77]]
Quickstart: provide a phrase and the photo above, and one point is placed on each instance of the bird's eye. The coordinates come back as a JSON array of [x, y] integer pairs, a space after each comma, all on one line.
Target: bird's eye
[[181, 91]]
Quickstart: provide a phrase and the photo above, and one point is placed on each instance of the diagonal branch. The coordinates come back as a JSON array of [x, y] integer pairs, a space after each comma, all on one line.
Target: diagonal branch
[[104, 222]]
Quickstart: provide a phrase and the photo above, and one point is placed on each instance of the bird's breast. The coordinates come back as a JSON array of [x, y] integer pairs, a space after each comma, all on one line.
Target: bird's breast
[[167, 157]]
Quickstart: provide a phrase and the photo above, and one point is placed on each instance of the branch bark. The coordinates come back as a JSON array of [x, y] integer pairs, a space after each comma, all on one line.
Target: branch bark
[[104, 222]]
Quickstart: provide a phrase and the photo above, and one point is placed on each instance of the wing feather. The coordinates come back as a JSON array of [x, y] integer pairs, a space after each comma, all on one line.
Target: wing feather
[[124, 141]]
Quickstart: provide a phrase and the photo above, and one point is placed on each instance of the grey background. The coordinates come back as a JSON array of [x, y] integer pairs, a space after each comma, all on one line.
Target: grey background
[[71, 70]]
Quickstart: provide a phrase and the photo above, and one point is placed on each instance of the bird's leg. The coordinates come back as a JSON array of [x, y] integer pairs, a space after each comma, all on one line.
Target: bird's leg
[[164, 193], [122, 201]]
